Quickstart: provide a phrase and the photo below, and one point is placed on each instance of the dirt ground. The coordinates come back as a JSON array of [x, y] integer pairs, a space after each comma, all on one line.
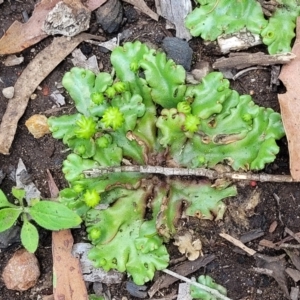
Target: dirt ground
[[231, 268]]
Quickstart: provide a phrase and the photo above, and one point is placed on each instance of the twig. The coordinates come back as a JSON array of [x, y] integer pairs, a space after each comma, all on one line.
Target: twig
[[276, 197], [291, 233], [242, 72], [196, 284], [291, 246], [211, 174], [237, 243]]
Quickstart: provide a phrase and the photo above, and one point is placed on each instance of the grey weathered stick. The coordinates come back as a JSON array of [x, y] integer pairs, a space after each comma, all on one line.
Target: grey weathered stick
[[36, 71], [211, 174], [198, 285], [244, 60]]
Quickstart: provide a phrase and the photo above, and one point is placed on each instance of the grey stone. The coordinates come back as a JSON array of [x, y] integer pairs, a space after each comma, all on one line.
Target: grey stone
[[67, 20], [9, 236], [8, 92], [178, 50]]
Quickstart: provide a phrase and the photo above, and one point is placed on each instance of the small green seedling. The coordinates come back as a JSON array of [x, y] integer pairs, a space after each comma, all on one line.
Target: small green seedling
[[48, 214], [198, 293]]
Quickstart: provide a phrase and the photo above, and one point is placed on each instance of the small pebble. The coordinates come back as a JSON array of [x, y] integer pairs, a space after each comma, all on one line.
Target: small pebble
[[13, 60], [8, 92], [21, 272], [33, 96], [37, 125], [178, 50]]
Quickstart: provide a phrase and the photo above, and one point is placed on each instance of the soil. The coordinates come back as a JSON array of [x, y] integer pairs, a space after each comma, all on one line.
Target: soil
[[232, 269]]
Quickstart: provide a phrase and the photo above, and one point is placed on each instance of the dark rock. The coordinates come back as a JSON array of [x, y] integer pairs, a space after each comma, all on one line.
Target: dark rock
[[110, 16], [136, 290], [9, 236], [131, 14], [178, 50]]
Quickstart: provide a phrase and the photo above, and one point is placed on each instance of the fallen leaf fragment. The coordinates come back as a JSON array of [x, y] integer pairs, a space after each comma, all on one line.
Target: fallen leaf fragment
[[68, 281], [186, 245], [237, 243], [175, 12], [142, 6], [32, 32], [29, 33], [38, 126], [290, 106], [36, 71], [294, 274], [274, 267], [94, 4], [80, 60]]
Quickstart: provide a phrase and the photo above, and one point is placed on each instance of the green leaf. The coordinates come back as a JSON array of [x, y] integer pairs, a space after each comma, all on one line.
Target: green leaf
[[18, 193], [29, 236], [280, 31], [53, 215], [122, 59], [198, 293], [74, 165], [166, 79], [8, 217], [4, 202], [216, 17]]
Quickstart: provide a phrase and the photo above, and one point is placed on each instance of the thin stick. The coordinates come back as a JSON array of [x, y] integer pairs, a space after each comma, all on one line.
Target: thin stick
[[291, 233], [237, 243], [199, 285], [211, 174]]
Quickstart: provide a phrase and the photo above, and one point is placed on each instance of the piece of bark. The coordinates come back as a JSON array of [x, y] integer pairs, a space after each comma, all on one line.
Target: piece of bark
[[238, 41], [294, 274], [243, 60], [176, 12], [237, 243], [290, 106], [32, 32], [36, 71], [142, 6], [184, 269], [68, 280]]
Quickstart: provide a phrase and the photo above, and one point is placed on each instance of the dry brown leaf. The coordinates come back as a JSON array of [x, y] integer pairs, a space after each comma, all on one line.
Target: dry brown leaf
[[142, 6], [68, 280], [20, 36], [36, 71], [290, 106], [94, 4]]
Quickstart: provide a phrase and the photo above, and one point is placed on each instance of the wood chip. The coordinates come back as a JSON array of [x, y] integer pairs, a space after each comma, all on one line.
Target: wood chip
[[237, 243], [68, 281], [273, 226], [290, 106], [243, 60], [294, 274], [36, 71]]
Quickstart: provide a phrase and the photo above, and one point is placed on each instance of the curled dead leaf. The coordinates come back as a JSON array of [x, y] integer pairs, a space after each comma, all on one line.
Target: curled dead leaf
[[186, 245]]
